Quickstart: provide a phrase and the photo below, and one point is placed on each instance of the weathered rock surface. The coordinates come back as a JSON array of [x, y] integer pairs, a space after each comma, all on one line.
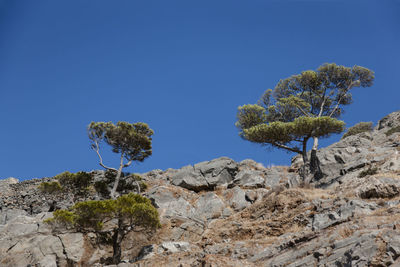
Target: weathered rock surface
[[227, 213], [347, 159]]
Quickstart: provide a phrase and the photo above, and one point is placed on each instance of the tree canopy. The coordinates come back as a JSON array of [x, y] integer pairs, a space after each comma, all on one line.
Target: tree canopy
[[131, 140], [303, 106]]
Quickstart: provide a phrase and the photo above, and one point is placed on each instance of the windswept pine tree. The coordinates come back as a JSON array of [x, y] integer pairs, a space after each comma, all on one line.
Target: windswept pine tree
[[303, 106], [131, 140]]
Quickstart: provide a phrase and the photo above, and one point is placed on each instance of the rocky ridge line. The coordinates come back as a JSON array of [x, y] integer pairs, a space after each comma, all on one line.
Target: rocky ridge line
[[224, 213]]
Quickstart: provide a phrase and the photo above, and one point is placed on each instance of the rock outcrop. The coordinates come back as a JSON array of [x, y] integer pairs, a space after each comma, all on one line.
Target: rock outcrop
[[227, 213]]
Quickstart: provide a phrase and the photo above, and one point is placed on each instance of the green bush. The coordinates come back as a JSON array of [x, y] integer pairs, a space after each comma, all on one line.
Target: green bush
[[79, 180], [393, 130], [360, 127], [129, 182], [102, 187], [134, 180], [62, 217], [50, 187], [369, 171]]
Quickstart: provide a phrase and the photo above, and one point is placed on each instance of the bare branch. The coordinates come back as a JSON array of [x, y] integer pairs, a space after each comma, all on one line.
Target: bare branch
[[95, 147], [295, 150], [340, 98], [127, 164], [302, 111]]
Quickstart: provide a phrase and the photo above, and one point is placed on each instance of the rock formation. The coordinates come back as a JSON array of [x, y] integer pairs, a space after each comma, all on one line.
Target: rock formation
[[227, 213]]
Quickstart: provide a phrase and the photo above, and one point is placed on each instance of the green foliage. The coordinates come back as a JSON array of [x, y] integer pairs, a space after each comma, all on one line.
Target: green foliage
[[360, 127], [65, 218], [137, 210], [249, 116], [92, 214], [50, 187], [287, 132], [102, 187], [132, 140], [143, 186], [131, 210], [318, 93], [369, 171], [393, 130], [302, 106], [129, 183], [79, 180]]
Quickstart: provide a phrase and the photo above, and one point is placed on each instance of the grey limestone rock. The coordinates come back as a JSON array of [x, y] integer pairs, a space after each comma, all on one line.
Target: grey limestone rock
[[190, 179], [250, 179], [170, 205], [389, 121], [379, 187], [209, 206], [9, 214], [173, 247], [72, 244], [205, 175], [332, 213], [236, 198]]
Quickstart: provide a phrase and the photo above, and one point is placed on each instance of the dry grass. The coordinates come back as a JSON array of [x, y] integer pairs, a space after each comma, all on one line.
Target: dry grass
[[389, 174], [317, 193], [345, 231]]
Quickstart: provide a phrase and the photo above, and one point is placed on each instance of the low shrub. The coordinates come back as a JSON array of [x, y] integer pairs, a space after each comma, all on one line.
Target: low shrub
[[131, 182], [79, 181], [128, 182], [102, 187], [393, 130], [360, 127], [65, 218], [50, 187]]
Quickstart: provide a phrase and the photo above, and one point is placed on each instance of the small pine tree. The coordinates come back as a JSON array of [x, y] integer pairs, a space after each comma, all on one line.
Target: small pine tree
[[131, 140], [130, 211]]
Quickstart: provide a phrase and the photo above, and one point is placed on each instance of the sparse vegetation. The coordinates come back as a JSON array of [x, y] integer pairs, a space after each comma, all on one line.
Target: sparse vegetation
[[50, 187], [393, 130], [130, 211], [64, 218], [360, 127], [369, 171], [78, 182], [131, 182]]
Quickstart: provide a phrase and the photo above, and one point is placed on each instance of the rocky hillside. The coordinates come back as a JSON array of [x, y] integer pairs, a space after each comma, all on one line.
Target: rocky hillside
[[225, 213]]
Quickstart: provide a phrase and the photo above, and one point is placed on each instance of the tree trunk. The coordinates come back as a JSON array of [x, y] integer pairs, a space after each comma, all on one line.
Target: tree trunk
[[117, 240], [119, 172], [305, 173], [315, 167]]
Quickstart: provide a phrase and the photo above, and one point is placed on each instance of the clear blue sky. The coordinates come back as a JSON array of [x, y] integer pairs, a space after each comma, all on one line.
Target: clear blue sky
[[183, 67]]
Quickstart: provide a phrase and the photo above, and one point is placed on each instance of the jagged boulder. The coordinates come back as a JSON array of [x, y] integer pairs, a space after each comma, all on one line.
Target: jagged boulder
[[379, 187], [250, 179], [206, 175]]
